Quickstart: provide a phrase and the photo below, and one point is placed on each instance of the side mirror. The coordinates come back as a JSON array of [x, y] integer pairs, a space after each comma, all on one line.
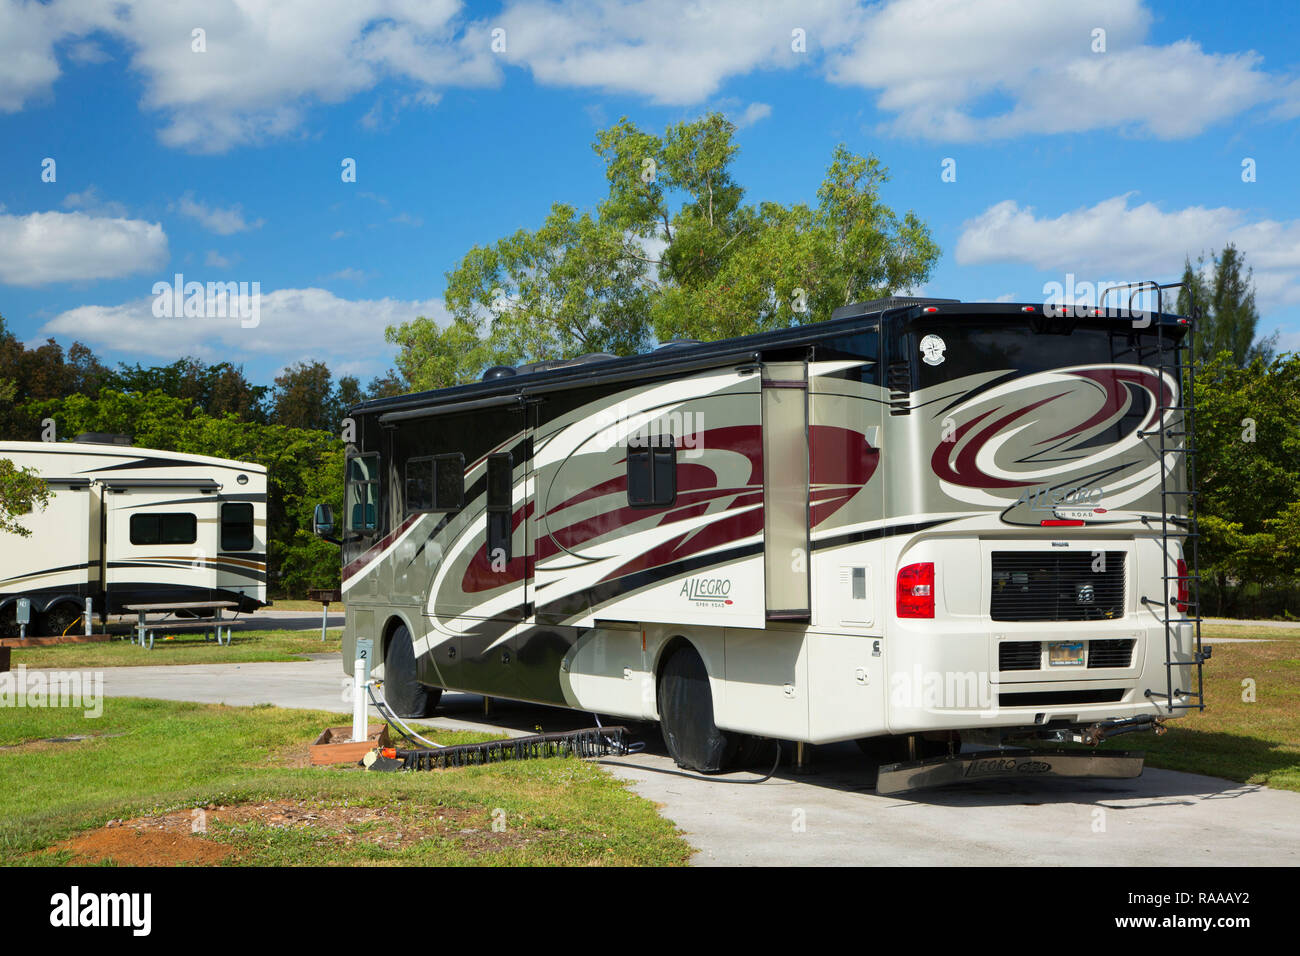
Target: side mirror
[[322, 522]]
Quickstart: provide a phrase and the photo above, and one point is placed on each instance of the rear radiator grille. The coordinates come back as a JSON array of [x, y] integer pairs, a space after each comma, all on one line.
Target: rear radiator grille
[[1020, 656], [1116, 653], [1028, 655], [1050, 586], [1039, 698]]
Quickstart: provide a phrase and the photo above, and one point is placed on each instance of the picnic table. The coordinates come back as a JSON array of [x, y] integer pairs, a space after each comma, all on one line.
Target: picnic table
[[324, 596], [142, 631]]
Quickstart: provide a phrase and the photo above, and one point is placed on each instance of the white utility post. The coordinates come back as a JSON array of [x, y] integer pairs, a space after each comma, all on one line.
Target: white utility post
[[360, 678]]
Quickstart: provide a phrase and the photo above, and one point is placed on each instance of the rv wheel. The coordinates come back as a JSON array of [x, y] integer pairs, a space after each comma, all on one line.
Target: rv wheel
[[686, 717], [9, 621], [57, 619], [406, 695]]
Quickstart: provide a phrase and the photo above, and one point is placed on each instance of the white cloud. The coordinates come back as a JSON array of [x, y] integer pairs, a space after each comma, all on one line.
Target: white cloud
[[349, 275], [45, 247], [752, 114], [677, 56], [215, 260], [934, 65], [224, 222], [293, 323], [87, 53], [1117, 241], [937, 63], [89, 201]]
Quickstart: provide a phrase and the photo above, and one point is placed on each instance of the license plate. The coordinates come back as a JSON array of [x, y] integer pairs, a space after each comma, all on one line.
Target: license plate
[[1063, 654]]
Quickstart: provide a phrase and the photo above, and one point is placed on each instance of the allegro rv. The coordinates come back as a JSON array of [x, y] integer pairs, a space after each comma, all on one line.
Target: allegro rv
[[131, 525], [922, 521]]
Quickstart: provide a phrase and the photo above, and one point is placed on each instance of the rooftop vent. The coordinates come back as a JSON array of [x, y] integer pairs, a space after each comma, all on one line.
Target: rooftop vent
[[103, 438], [498, 371]]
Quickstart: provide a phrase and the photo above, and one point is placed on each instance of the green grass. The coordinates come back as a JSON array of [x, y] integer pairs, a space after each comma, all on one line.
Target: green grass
[[188, 647], [150, 758], [1257, 742]]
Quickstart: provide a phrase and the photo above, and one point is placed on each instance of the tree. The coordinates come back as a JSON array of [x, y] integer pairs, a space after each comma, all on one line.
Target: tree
[[21, 489], [305, 397], [1229, 317], [1248, 451], [217, 389], [586, 282]]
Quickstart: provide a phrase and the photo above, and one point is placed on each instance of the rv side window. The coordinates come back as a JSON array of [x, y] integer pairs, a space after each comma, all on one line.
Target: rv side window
[[500, 478], [237, 527], [174, 528], [419, 485], [435, 484], [363, 493], [448, 482], [652, 474]]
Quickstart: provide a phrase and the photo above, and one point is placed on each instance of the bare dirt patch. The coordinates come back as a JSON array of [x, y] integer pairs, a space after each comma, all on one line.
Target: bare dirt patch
[[204, 836]]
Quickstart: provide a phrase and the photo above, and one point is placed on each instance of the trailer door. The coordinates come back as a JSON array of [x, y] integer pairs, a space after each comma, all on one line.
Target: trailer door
[[785, 490], [160, 541]]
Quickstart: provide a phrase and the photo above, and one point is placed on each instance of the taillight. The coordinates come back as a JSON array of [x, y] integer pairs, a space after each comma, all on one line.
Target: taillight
[[916, 590], [1182, 586]]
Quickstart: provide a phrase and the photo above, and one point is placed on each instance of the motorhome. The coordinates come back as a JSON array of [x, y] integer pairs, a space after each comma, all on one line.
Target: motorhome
[[128, 526], [922, 520]]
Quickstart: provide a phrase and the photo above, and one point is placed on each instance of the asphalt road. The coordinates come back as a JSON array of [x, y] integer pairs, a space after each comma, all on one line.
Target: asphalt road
[[832, 816]]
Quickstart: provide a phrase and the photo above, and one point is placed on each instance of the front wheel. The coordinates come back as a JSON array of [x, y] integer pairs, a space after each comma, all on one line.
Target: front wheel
[[406, 695], [686, 718]]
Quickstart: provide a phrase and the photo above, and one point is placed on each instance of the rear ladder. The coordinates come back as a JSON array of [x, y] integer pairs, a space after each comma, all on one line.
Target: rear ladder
[[1175, 437]]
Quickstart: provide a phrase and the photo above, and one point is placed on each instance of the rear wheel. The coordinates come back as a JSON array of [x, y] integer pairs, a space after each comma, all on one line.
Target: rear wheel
[[9, 621], [57, 620], [686, 718], [406, 695]]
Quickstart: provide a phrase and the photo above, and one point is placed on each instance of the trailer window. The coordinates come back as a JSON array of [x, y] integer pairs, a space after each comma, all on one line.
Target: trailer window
[[652, 474], [435, 484], [363, 493], [500, 479], [237, 527], [170, 528]]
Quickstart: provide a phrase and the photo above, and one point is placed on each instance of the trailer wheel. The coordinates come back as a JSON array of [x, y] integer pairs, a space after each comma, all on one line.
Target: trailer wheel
[[686, 717], [9, 621], [406, 695], [57, 619]]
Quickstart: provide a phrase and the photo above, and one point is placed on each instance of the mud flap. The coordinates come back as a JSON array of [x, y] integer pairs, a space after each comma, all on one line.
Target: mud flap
[[1007, 765]]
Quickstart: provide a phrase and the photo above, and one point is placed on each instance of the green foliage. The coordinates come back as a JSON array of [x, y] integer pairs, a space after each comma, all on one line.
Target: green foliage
[[303, 466], [1229, 318], [21, 491], [1248, 463], [586, 282]]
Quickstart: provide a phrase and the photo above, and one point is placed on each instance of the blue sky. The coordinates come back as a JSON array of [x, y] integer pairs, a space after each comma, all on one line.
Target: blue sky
[[224, 165]]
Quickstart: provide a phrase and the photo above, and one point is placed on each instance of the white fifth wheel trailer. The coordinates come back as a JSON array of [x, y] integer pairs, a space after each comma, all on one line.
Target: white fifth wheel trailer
[[131, 525], [920, 523]]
